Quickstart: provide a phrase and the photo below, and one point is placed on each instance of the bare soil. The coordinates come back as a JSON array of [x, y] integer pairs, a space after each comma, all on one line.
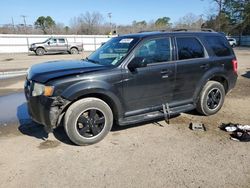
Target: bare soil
[[153, 154]]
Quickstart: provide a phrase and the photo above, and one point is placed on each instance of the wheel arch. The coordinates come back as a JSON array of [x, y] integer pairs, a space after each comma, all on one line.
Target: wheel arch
[[101, 91], [215, 76], [71, 47], [42, 48]]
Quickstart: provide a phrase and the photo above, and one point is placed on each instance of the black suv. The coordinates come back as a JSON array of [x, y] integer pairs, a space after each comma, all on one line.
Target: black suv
[[130, 79]]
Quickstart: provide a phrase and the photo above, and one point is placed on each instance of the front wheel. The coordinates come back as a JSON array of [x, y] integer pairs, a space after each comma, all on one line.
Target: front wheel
[[211, 98], [40, 51], [88, 121]]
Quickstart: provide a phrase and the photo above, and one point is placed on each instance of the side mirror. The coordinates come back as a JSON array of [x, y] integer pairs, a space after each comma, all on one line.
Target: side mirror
[[48, 42], [137, 62]]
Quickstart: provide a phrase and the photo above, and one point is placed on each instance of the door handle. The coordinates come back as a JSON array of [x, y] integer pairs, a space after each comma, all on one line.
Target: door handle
[[165, 73], [204, 66]]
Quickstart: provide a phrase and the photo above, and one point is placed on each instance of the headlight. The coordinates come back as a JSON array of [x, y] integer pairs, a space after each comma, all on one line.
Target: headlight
[[40, 89]]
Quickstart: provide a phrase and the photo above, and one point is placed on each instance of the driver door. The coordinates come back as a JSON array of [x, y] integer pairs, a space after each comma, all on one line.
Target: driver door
[[152, 83], [52, 45]]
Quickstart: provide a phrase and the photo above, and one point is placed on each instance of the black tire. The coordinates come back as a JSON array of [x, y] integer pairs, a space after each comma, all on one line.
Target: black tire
[[211, 98], [40, 51], [88, 121], [74, 51]]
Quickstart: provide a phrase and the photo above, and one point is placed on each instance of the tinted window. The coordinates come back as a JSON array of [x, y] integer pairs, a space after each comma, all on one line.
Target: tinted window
[[189, 48], [219, 45], [155, 51], [61, 40], [113, 51], [52, 41]]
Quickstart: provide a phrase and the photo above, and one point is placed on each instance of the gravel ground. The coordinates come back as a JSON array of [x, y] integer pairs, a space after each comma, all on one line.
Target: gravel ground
[[145, 155], [10, 62]]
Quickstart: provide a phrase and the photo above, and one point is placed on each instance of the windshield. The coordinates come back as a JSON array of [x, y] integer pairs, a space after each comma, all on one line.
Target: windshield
[[113, 51], [47, 40]]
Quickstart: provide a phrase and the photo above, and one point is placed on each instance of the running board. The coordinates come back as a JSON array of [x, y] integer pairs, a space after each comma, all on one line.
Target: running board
[[154, 115]]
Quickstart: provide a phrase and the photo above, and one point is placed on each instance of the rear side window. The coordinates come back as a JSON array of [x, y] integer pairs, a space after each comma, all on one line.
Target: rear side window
[[219, 45], [189, 48], [61, 40]]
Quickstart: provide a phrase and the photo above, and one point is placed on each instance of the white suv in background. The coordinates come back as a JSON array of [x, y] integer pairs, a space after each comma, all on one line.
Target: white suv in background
[[232, 42]]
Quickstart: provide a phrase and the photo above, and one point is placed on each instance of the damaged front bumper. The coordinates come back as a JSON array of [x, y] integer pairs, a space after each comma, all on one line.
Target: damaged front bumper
[[47, 111]]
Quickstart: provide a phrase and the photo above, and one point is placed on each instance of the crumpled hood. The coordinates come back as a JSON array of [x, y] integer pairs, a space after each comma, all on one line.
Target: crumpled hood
[[53, 69]]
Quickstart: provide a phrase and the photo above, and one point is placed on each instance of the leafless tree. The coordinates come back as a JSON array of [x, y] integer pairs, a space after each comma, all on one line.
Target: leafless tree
[[88, 23], [189, 21]]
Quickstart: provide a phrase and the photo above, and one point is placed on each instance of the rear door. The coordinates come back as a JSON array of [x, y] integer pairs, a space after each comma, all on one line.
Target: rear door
[[192, 63], [152, 85], [62, 44]]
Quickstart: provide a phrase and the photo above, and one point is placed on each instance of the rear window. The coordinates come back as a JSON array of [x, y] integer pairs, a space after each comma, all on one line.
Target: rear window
[[189, 48], [219, 45]]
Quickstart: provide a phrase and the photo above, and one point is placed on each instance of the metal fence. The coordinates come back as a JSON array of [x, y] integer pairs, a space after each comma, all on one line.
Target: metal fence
[[245, 40], [11, 43]]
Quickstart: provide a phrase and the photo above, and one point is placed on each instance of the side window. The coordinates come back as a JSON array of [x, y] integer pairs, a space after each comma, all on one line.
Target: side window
[[189, 48], [155, 50], [61, 41], [219, 45], [52, 41]]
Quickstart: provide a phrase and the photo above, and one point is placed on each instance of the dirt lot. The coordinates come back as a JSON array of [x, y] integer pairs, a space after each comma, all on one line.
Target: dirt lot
[[11, 62], [146, 155]]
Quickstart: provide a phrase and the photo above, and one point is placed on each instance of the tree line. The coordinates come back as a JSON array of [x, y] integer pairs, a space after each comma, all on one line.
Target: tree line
[[229, 16]]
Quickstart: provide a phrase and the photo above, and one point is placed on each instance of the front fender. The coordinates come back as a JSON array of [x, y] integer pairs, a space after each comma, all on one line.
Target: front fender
[[84, 88]]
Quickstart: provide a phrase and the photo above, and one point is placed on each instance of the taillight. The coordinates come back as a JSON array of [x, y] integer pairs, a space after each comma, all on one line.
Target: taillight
[[235, 65]]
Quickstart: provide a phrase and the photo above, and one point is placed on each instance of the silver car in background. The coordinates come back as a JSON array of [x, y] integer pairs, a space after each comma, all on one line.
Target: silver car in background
[[232, 42], [56, 45]]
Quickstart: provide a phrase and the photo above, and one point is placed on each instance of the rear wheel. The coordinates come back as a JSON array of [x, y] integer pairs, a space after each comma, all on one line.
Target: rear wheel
[[211, 98], [74, 51], [88, 121], [40, 51]]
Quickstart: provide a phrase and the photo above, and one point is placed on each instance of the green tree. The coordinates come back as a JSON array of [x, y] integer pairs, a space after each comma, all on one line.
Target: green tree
[[233, 17], [239, 12], [220, 23], [139, 26], [44, 23], [162, 22]]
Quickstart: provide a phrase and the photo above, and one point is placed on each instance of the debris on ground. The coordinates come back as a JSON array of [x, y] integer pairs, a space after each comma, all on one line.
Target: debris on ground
[[197, 127], [238, 132]]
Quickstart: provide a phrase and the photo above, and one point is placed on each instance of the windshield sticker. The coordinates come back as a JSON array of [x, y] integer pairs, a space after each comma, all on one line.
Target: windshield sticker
[[126, 40]]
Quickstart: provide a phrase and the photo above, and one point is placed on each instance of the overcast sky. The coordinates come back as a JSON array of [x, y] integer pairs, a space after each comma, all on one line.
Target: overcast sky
[[123, 12]]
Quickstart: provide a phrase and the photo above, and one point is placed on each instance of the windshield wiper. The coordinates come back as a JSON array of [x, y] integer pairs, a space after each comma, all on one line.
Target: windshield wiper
[[92, 61]]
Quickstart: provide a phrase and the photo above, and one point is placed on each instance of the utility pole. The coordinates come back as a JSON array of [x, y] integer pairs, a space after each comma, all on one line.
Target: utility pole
[[13, 25], [110, 16], [24, 21]]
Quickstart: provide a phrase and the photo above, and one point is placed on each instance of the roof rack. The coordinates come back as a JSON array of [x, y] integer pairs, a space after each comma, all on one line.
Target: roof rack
[[147, 31], [179, 30], [202, 29]]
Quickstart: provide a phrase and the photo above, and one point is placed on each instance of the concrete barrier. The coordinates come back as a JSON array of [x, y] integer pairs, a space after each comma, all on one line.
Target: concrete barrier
[[11, 43]]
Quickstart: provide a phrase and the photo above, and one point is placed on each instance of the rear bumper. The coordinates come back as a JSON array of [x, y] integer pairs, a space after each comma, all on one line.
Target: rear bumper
[[232, 81]]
